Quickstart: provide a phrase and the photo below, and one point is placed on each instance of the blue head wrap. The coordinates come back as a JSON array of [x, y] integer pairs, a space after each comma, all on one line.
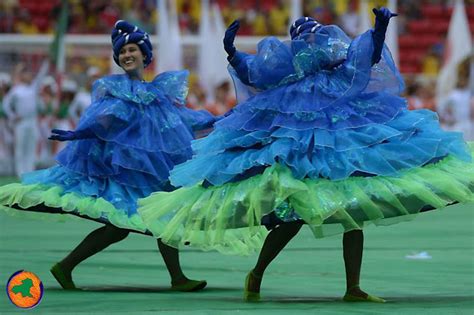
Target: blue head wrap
[[126, 33], [304, 25]]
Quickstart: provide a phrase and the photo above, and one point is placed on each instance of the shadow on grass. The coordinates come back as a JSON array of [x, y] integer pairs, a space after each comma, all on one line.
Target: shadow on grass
[[137, 289], [434, 299]]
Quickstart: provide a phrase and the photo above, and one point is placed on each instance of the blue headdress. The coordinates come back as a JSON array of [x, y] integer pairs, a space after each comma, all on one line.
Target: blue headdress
[[304, 25], [126, 33]]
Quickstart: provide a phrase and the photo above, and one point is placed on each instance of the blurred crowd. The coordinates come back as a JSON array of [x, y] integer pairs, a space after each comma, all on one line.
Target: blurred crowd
[[258, 17], [59, 102]]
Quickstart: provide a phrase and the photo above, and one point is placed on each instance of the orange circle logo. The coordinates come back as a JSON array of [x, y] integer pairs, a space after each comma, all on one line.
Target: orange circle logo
[[25, 289]]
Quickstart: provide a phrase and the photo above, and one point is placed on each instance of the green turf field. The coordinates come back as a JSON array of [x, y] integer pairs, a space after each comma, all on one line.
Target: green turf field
[[308, 277]]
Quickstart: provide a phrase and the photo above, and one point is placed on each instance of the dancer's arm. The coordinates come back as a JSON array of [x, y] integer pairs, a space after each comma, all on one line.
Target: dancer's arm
[[236, 58], [8, 104], [38, 80], [382, 18], [197, 119], [67, 135]]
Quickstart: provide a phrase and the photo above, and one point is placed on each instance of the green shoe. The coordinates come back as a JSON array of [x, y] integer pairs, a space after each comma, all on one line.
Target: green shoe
[[369, 298], [189, 286], [60, 277], [250, 296]]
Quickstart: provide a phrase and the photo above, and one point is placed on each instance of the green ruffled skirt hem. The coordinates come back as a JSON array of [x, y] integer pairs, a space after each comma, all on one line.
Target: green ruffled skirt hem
[[29, 196], [227, 218]]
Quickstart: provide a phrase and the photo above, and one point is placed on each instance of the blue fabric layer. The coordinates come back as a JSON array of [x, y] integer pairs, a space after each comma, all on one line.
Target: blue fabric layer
[[122, 197], [412, 139], [142, 130], [320, 121]]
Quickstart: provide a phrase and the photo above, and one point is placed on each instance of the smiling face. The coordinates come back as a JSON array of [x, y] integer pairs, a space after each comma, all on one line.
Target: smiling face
[[131, 59]]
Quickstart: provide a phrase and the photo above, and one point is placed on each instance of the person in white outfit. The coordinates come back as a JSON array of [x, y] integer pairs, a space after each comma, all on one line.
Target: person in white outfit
[[21, 107], [82, 99], [49, 100], [63, 119], [6, 134], [456, 108]]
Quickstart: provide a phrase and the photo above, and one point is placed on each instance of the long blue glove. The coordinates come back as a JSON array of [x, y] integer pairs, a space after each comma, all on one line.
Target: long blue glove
[[67, 135], [382, 17], [229, 38], [236, 58]]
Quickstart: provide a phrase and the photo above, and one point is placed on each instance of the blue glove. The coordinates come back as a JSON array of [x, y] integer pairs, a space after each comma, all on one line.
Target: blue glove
[[235, 57], [229, 39], [66, 135], [382, 17]]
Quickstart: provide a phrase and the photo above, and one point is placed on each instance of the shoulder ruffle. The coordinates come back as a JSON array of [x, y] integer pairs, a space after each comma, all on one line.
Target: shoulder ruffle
[[172, 85]]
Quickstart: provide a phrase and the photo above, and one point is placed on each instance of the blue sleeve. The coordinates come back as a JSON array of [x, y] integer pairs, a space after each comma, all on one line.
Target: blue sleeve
[[362, 76], [197, 119], [378, 37], [239, 62], [106, 115]]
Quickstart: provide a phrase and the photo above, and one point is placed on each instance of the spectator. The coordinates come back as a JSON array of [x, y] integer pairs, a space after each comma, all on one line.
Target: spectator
[[349, 21], [431, 63], [49, 104], [412, 94], [21, 107], [278, 19], [8, 10], [232, 12], [455, 109], [24, 25], [257, 19], [224, 99], [82, 99], [427, 95], [63, 120], [6, 132]]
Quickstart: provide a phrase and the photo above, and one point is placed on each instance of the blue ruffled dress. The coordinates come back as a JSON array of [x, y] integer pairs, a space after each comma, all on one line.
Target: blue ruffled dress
[[141, 131], [319, 134]]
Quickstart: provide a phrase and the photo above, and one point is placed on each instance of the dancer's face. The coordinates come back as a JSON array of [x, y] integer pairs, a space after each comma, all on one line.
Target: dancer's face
[[131, 58]]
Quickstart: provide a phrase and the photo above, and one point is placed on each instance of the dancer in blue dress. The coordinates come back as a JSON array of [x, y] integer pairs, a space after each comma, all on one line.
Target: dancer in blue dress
[[125, 145], [320, 136]]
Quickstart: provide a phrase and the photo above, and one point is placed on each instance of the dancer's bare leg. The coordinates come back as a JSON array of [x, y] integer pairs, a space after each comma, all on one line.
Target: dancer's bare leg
[[353, 247], [179, 281], [93, 243], [276, 240]]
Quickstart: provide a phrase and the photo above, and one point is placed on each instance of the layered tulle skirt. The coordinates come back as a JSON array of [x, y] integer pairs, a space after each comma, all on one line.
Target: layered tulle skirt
[[230, 218]]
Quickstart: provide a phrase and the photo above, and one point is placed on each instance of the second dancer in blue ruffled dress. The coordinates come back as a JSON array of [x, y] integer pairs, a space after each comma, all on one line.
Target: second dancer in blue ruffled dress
[[321, 136]]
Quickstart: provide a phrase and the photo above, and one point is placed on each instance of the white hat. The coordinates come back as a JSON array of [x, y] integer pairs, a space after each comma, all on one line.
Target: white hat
[[50, 82], [93, 71], [69, 85], [5, 78]]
